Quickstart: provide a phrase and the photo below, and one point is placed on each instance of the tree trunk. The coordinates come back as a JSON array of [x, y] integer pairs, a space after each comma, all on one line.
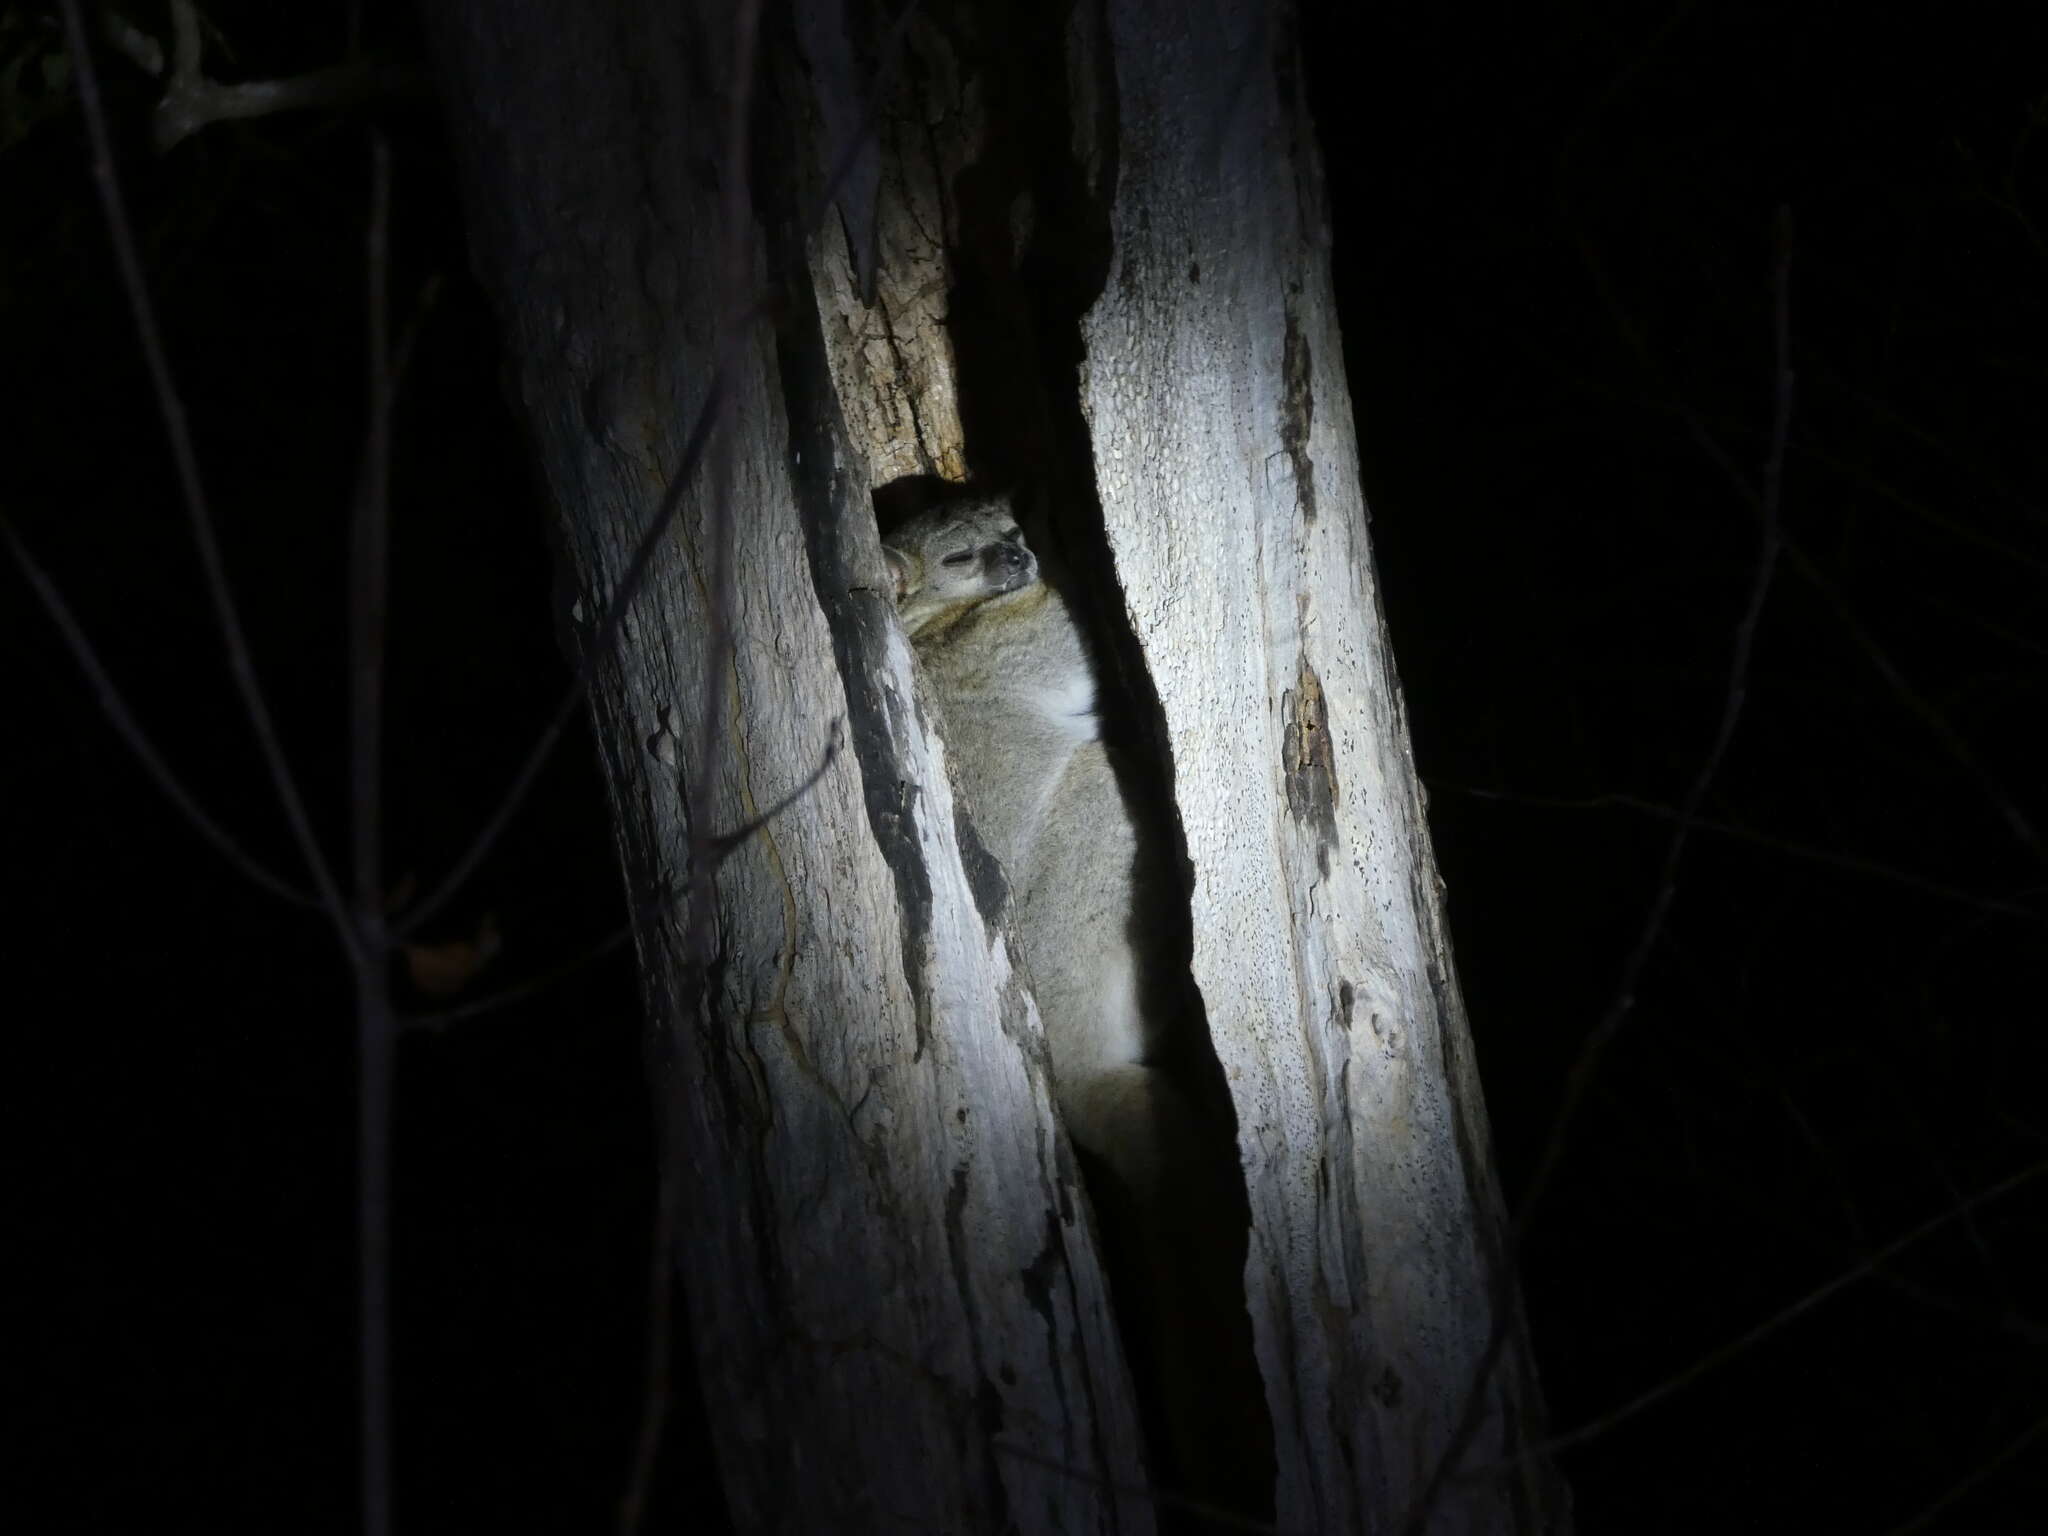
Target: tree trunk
[[1087, 249]]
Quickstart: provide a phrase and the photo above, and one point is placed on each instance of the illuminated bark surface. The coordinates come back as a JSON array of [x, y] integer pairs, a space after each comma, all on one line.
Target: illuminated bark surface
[[897, 1306]]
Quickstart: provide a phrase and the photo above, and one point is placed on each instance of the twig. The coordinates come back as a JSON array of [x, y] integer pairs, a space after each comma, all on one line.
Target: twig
[[1950, 739], [1716, 1358], [654, 1395], [1771, 544], [130, 729], [377, 1028], [607, 630], [191, 101], [369, 560], [1594, 1049], [1847, 862], [376, 1066], [241, 663], [1977, 1475], [518, 991]]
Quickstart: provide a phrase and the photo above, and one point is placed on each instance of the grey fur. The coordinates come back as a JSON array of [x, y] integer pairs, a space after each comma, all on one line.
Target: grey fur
[[1016, 691]]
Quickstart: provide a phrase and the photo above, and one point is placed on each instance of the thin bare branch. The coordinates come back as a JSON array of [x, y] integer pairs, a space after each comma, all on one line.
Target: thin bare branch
[[1975, 1478], [600, 645], [369, 559], [369, 586], [241, 663], [1950, 740], [1714, 1359], [1946, 445], [130, 729], [1846, 862], [505, 997], [376, 1076], [1770, 547], [131, 42], [1593, 1050], [660, 1346], [1932, 719], [191, 101]]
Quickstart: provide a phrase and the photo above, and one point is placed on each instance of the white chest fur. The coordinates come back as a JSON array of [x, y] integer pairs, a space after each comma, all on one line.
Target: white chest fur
[[1068, 703]]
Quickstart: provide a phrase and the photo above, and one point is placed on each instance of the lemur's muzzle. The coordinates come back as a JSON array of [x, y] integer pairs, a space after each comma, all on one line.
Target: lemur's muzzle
[[1009, 566]]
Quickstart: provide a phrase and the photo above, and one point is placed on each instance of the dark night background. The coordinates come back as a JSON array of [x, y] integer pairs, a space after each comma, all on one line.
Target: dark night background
[[1554, 257]]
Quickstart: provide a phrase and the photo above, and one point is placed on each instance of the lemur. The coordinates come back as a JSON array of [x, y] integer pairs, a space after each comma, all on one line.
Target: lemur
[[1016, 695]]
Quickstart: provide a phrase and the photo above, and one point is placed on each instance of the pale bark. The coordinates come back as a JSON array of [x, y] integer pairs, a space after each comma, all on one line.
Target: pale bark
[[1227, 469], [891, 1274], [879, 1229]]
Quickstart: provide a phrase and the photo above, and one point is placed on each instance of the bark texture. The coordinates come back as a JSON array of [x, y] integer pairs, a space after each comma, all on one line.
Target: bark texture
[[1087, 245], [1227, 470], [898, 1314]]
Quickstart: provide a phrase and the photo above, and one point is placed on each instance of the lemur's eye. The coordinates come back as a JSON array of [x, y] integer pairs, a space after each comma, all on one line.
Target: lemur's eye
[[1012, 535], [964, 557]]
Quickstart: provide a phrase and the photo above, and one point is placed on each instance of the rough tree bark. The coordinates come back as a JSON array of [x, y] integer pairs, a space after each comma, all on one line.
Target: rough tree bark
[[1086, 245]]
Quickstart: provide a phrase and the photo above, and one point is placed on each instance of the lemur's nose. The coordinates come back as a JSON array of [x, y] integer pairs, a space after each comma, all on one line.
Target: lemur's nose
[[1005, 557]]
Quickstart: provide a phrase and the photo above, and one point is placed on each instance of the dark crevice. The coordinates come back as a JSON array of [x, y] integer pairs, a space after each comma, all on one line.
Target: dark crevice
[[1033, 252]]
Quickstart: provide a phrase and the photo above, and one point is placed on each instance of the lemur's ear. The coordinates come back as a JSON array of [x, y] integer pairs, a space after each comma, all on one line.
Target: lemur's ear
[[901, 571]]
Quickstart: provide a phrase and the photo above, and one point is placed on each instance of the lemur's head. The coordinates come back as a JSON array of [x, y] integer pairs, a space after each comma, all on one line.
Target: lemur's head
[[948, 560]]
